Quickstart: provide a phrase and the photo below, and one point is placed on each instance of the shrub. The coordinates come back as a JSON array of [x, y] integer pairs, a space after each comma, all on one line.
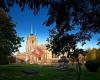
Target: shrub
[[92, 65]]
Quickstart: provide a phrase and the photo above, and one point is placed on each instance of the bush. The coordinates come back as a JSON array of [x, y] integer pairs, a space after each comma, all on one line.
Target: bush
[[92, 65]]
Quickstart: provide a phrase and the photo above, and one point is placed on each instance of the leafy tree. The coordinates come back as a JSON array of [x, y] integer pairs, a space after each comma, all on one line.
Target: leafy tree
[[60, 43], [9, 41], [98, 54], [66, 14], [92, 54], [93, 60]]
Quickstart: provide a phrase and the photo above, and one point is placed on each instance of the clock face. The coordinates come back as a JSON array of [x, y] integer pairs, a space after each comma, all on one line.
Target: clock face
[[37, 51]]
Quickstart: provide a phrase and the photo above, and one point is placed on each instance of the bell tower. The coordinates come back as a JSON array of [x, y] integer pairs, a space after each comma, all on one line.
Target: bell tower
[[31, 42]]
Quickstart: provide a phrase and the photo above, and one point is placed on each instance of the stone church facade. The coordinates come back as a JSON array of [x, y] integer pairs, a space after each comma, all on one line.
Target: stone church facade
[[29, 57], [37, 54]]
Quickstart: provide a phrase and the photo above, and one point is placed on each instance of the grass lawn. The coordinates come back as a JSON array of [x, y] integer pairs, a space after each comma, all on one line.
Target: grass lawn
[[40, 72]]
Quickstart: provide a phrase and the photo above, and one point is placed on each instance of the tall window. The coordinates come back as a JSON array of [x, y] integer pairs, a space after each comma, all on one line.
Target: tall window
[[39, 58], [32, 41]]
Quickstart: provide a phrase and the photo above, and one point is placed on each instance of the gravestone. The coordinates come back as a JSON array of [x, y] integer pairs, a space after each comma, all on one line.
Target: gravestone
[[63, 63]]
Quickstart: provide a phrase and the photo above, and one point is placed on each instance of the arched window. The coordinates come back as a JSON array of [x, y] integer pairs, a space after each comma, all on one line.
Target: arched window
[[32, 41]]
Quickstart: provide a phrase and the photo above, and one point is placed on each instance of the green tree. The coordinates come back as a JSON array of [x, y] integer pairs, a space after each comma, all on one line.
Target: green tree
[[66, 14], [93, 60], [65, 43], [9, 41], [92, 54], [98, 54]]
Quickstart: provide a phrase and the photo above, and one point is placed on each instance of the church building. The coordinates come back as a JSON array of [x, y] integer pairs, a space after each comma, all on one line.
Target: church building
[[34, 54]]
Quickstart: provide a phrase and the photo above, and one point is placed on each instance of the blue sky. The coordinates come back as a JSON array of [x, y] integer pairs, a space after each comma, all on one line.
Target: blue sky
[[25, 19]]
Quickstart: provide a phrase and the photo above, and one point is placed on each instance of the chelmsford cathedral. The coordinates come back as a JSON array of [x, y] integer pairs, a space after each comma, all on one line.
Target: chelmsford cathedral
[[34, 54]]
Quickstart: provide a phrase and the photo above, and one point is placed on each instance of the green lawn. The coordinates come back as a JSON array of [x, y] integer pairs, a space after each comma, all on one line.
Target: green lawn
[[17, 72]]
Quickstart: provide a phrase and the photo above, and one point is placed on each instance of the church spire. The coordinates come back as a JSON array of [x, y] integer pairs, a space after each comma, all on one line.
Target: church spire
[[34, 30], [31, 30]]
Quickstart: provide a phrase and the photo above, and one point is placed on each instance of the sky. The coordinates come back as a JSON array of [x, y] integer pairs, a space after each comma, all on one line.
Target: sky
[[24, 20]]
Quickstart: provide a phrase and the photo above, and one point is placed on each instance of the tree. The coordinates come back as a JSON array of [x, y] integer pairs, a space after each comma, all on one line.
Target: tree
[[98, 54], [92, 54], [66, 14], [9, 41], [93, 60], [61, 43]]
